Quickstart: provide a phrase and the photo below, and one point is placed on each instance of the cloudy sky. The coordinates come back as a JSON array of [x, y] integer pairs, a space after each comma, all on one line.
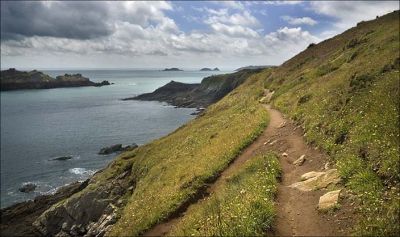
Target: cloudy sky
[[224, 34]]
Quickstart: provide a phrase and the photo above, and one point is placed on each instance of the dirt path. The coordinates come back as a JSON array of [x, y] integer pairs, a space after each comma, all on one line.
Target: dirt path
[[296, 210]]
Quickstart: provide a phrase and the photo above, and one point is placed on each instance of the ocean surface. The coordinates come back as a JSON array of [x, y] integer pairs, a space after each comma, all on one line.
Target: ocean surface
[[39, 125]]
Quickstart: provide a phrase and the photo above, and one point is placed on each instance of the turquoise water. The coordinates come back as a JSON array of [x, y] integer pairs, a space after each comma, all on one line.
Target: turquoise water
[[38, 125]]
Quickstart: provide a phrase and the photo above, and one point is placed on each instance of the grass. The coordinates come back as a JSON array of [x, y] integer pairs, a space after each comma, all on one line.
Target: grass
[[345, 94], [171, 170], [243, 206]]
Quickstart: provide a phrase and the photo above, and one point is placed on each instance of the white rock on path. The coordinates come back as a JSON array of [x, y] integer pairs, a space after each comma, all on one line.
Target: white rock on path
[[311, 174], [317, 180], [283, 124], [300, 161], [329, 200], [284, 154]]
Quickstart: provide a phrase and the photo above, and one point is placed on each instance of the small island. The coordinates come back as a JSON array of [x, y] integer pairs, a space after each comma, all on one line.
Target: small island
[[172, 69], [209, 69], [13, 79]]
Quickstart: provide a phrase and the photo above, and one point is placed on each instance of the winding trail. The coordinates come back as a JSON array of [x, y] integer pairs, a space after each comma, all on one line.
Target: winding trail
[[296, 211]]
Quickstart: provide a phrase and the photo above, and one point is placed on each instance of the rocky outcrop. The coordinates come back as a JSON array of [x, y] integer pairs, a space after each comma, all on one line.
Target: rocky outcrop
[[17, 219], [317, 180], [90, 212], [27, 188], [117, 148], [210, 90], [329, 200], [12, 79], [62, 158]]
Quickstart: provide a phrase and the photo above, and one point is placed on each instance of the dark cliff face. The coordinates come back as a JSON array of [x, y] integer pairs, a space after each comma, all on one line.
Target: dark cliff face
[[210, 90], [12, 79]]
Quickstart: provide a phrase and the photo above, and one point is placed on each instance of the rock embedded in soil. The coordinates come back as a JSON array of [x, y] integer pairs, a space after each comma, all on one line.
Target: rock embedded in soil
[[284, 154], [300, 161], [27, 188], [329, 200], [283, 124], [317, 180], [310, 175]]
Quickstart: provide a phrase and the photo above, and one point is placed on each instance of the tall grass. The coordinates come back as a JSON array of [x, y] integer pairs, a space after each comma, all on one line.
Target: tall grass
[[243, 206]]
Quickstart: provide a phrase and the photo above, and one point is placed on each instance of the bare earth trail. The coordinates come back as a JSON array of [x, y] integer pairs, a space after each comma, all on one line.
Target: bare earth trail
[[297, 212]]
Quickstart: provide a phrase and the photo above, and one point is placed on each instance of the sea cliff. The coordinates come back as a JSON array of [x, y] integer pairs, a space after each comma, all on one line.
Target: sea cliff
[[210, 90]]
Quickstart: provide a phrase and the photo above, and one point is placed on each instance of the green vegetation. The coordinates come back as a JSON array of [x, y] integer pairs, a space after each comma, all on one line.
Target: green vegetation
[[243, 206], [345, 93], [170, 171]]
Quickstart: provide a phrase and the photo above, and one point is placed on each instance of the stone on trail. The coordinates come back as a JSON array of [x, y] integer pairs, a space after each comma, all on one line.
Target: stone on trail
[[329, 200], [273, 142], [310, 175], [318, 180], [300, 161], [283, 124], [284, 154]]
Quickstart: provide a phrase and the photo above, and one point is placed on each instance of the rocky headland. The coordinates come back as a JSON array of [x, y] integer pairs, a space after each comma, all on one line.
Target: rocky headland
[[199, 95], [13, 79]]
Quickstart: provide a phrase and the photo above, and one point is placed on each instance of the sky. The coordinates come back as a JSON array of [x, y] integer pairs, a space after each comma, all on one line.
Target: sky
[[184, 34]]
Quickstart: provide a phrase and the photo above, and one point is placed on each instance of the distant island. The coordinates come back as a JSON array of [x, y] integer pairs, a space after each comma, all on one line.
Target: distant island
[[254, 67], [209, 69], [173, 69], [13, 79]]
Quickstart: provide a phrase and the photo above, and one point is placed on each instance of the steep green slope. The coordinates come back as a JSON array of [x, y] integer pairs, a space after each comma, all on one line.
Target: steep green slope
[[345, 93], [170, 171], [241, 207]]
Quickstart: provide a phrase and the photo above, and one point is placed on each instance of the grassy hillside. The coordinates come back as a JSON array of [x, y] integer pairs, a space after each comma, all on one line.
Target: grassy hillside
[[243, 206], [171, 170], [345, 93]]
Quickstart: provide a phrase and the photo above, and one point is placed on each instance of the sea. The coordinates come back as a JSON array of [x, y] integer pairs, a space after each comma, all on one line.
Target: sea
[[40, 125]]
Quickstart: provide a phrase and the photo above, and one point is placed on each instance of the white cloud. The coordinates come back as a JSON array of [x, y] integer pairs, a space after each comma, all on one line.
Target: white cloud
[[143, 35], [278, 3], [289, 40], [348, 13], [300, 20], [230, 4], [241, 19], [234, 30]]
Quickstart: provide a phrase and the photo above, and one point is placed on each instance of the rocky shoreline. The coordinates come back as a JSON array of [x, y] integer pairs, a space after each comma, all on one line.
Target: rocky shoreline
[[12, 79], [16, 220]]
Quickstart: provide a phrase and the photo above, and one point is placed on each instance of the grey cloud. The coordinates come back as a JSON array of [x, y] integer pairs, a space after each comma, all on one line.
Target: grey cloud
[[74, 20]]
